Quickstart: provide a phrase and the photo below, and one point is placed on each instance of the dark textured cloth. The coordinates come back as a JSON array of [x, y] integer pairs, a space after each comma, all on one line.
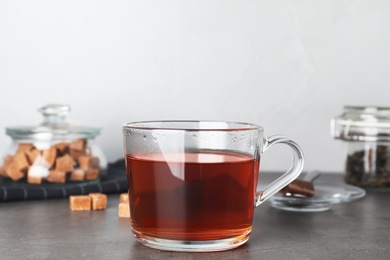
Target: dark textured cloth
[[113, 181]]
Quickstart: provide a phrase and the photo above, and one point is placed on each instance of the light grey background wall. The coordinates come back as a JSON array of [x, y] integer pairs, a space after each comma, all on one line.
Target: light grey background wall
[[287, 65]]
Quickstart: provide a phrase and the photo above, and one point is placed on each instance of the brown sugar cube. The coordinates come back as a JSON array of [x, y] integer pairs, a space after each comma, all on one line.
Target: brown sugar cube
[[77, 175], [124, 197], [7, 161], [82, 202], [95, 162], [86, 162], [75, 154], [92, 174], [3, 173], [13, 171], [99, 201], [24, 148], [56, 176], [124, 210], [21, 161], [50, 155], [32, 155], [78, 145], [64, 163], [62, 147], [34, 180]]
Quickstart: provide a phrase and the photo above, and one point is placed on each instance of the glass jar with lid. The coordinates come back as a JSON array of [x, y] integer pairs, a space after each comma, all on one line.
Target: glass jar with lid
[[53, 152], [366, 134]]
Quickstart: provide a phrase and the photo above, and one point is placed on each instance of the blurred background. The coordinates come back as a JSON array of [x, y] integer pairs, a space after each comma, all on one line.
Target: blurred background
[[287, 65]]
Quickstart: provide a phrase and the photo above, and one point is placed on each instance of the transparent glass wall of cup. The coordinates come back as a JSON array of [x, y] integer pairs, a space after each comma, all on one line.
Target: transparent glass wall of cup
[[192, 184]]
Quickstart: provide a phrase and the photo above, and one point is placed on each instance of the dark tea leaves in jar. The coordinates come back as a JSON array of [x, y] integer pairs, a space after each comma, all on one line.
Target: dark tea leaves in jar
[[370, 167]]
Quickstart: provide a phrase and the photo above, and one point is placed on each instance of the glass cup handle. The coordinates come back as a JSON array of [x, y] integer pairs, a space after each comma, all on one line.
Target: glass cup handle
[[287, 177]]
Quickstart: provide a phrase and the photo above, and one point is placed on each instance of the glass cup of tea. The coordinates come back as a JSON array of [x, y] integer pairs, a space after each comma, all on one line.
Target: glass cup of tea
[[193, 184]]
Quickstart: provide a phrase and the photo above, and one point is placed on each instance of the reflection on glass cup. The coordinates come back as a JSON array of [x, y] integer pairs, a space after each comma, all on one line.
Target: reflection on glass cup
[[192, 184]]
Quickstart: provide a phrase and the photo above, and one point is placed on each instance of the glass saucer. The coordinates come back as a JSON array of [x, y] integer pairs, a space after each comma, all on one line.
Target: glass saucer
[[326, 196]]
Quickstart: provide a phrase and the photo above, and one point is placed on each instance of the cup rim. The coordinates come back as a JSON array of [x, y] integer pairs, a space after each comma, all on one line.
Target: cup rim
[[231, 126]]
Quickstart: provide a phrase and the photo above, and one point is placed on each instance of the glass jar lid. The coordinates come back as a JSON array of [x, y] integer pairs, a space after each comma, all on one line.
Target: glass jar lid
[[53, 127], [359, 123]]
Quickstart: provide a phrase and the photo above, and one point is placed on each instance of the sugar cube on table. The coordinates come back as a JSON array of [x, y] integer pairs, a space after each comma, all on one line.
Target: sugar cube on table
[[124, 210], [99, 201], [124, 197], [82, 202]]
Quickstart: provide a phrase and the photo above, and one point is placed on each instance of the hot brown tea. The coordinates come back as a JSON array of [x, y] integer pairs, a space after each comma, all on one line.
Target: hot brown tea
[[192, 196]]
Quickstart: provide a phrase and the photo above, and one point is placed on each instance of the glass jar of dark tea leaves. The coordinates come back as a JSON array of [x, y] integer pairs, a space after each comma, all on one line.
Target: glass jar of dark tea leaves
[[366, 133]]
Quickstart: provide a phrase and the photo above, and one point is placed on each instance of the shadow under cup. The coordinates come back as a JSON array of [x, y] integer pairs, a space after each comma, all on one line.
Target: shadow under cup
[[192, 184]]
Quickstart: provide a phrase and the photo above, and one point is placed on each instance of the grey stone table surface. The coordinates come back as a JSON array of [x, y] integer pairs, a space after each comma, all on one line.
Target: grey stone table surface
[[50, 230]]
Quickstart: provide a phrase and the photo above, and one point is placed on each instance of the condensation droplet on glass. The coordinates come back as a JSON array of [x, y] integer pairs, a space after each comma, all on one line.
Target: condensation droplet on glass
[[144, 137]]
